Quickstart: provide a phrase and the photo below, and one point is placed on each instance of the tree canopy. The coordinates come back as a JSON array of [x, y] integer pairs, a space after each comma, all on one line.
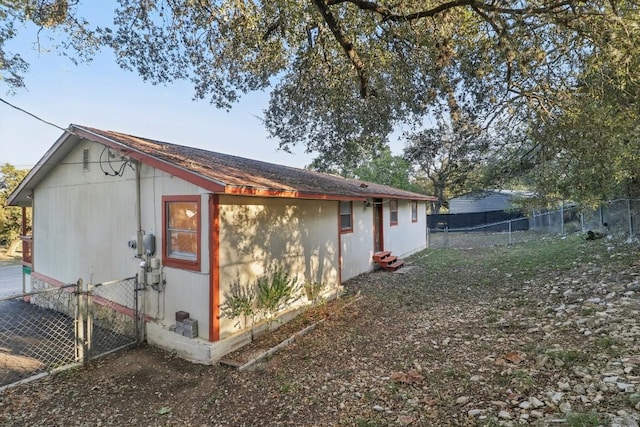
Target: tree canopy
[[343, 74], [10, 217]]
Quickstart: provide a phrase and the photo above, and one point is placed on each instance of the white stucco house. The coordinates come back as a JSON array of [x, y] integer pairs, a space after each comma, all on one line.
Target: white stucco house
[[101, 198]]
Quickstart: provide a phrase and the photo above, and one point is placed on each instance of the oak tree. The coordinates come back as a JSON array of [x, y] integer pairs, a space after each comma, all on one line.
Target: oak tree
[[342, 74]]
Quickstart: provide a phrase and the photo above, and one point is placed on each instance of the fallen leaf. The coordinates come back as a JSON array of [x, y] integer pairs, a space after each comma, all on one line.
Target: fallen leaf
[[514, 357], [405, 420], [398, 377], [415, 376], [430, 401], [411, 377], [164, 410]]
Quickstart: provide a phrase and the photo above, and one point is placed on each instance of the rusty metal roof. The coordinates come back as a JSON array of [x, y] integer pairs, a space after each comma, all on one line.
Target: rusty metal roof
[[240, 175], [216, 172]]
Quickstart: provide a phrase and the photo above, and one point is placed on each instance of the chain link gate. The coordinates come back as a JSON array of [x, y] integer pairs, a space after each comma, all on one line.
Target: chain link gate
[[58, 327], [107, 318]]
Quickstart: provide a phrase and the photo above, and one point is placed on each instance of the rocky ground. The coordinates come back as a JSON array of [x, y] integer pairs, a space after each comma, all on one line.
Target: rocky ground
[[545, 333]]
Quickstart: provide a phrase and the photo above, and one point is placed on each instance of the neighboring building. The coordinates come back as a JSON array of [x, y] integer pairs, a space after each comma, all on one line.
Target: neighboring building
[[479, 208], [486, 201], [105, 201]]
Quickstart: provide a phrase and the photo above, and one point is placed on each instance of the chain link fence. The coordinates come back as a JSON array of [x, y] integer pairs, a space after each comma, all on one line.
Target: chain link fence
[[617, 217], [57, 327], [112, 316], [495, 234]]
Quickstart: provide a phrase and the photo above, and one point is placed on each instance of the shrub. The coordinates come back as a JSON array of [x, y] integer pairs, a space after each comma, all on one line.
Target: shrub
[[275, 293], [239, 302]]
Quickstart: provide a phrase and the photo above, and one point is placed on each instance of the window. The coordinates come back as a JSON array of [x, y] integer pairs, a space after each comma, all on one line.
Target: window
[[393, 211], [181, 238], [346, 217], [414, 211]]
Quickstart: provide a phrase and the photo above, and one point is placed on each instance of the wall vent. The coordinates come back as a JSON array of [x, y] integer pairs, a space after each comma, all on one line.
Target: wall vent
[[85, 159]]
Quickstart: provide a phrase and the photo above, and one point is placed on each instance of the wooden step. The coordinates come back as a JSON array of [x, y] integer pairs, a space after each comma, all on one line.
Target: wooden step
[[378, 256], [394, 266], [388, 260]]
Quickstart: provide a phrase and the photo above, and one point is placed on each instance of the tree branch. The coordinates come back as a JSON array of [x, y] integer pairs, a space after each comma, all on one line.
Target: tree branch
[[389, 15], [347, 45]]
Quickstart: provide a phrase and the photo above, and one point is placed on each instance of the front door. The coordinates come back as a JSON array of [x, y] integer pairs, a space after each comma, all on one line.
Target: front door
[[378, 244]]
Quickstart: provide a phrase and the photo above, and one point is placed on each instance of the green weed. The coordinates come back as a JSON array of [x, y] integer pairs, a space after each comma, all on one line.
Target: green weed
[[588, 419]]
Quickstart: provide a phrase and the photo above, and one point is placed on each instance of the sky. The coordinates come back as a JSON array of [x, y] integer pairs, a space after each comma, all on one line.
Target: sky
[[101, 95]]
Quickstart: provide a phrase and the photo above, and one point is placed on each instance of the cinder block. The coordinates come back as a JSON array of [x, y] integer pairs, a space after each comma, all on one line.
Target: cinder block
[[181, 315], [190, 328]]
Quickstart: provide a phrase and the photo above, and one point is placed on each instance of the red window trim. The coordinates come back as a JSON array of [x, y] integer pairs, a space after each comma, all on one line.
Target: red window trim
[[174, 262], [393, 202], [350, 229], [414, 209]]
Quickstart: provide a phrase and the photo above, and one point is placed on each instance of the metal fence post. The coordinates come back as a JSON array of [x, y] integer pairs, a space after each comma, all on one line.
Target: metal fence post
[[510, 231], [629, 217], [428, 245], [446, 237], [562, 218], [139, 308], [80, 322], [89, 317]]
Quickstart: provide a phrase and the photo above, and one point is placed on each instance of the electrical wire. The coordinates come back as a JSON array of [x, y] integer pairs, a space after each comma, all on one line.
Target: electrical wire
[[113, 172], [33, 115]]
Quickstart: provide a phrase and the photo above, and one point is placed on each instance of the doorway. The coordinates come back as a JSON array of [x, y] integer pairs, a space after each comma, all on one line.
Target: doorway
[[378, 242]]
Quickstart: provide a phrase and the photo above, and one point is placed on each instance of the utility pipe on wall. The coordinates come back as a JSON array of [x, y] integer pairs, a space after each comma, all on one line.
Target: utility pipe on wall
[[138, 212]]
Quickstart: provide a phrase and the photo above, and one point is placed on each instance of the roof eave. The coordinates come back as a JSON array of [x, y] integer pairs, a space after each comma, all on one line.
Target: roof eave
[[21, 196], [188, 175], [420, 197], [290, 194]]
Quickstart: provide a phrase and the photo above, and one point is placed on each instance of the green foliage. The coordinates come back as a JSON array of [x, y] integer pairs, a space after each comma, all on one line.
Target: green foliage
[[266, 297], [586, 148], [275, 292], [381, 168], [344, 75], [448, 155], [313, 290], [587, 419], [239, 302], [10, 217], [51, 17]]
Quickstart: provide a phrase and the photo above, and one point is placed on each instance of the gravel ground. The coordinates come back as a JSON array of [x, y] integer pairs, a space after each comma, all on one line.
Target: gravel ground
[[543, 334]]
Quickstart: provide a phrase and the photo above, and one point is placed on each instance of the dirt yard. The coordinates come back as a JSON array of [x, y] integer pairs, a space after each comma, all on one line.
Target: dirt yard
[[538, 334]]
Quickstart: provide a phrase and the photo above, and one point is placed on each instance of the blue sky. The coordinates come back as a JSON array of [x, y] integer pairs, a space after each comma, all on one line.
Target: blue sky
[[101, 95]]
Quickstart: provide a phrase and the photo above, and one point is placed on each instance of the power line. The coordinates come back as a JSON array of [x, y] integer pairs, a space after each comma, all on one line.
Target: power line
[[33, 115]]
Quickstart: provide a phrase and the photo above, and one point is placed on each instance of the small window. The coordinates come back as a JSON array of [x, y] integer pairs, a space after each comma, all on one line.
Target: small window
[[346, 217], [414, 211], [181, 240], [85, 159], [393, 211]]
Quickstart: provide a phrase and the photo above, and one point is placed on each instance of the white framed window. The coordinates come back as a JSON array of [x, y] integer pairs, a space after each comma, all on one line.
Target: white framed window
[[393, 212], [346, 216]]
